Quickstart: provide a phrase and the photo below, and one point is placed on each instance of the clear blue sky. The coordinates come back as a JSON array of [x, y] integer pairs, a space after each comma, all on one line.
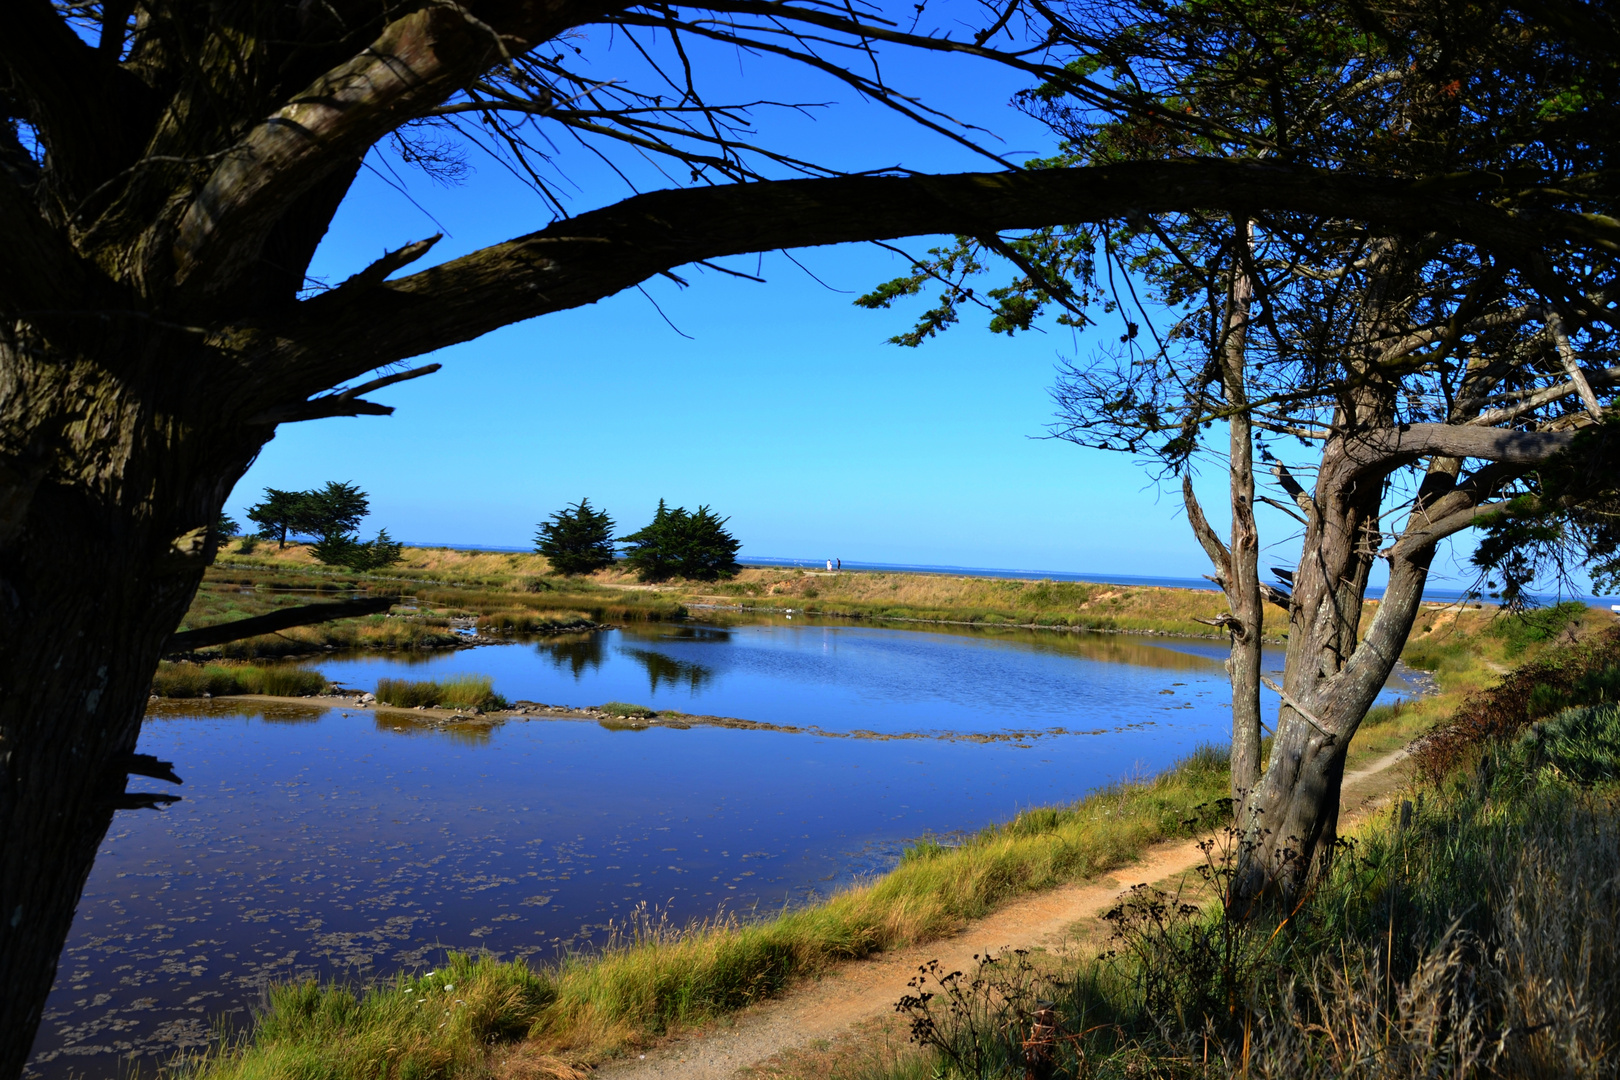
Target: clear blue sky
[[784, 408]]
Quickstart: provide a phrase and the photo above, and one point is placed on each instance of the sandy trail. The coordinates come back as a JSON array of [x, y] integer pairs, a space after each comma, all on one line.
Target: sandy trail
[[864, 989]]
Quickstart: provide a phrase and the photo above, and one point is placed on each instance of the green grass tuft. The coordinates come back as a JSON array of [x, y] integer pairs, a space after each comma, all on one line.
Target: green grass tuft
[[460, 692], [186, 680], [622, 709]]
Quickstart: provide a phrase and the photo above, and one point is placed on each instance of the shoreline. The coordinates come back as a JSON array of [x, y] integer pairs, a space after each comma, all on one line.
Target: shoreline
[[441, 719]]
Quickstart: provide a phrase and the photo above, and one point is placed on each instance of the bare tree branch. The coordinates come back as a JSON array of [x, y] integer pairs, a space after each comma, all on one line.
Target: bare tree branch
[[1207, 538], [599, 253], [285, 619]]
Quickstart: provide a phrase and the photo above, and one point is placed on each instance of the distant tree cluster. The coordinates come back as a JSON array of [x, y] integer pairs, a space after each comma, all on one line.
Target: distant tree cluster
[[676, 543], [330, 518]]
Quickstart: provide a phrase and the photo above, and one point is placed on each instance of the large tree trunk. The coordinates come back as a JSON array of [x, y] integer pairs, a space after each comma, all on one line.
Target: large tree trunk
[[1290, 820], [105, 498]]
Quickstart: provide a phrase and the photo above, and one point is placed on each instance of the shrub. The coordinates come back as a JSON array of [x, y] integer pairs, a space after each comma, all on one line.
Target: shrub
[[1578, 674], [577, 539], [1522, 629], [1580, 745]]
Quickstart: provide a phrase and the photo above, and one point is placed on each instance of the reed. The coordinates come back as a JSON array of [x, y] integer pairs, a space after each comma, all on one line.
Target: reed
[[459, 692], [187, 680]]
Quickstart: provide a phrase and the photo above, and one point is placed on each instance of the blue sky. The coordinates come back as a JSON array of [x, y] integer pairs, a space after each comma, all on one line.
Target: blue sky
[[782, 406]]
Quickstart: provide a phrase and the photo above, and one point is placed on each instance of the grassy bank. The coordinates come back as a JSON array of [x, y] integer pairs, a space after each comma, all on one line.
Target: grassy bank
[[493, 583], [986, 601], [517, 593], [1468, 932]]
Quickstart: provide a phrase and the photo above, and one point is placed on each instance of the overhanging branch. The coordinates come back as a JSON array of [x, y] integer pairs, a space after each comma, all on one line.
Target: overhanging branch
[[597, 254], [285, 619]]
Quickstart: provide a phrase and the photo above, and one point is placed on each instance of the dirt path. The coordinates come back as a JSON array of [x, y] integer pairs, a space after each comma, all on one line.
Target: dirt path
[[862, 990]]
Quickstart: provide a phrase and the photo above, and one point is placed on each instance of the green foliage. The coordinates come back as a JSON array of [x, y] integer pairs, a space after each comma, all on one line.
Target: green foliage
[[1566, 515], [1582, 673], [1055, 265], [1522, 629], [678, 544], [577, 539], [278, 515], [342, 549], [225, 527], [331, 515], [1580, 745]]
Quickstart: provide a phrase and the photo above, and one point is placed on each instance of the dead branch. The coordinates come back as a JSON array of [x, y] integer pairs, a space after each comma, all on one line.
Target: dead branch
[[303, 615]]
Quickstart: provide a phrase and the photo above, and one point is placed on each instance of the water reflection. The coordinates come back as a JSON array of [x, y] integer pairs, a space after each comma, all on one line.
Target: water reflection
[[275, 712], [665, 670], [469, 731], [578, 653]]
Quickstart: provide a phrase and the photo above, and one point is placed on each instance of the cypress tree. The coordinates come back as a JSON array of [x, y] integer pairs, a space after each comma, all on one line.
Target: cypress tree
[[653, 552], [708, 551], [577, 539], [676, 543]]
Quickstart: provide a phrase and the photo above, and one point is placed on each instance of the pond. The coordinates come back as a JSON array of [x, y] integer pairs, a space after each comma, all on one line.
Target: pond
[[351, 844]]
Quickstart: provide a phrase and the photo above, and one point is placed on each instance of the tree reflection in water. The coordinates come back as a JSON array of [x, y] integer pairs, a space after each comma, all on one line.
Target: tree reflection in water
[[577, 652], [663, 669]]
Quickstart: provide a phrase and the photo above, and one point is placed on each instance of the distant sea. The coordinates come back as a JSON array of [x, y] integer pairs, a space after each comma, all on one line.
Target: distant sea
[[1438, 592]]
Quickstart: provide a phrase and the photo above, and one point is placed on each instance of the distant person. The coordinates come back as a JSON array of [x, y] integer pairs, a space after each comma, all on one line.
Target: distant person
[[840, 563], [829, 564]]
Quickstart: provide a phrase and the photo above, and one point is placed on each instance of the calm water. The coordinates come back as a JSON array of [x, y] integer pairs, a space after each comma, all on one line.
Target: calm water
[[351, 844]]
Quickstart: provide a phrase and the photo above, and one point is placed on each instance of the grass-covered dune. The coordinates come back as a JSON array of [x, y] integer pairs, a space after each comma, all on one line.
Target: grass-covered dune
[[510, 593]]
